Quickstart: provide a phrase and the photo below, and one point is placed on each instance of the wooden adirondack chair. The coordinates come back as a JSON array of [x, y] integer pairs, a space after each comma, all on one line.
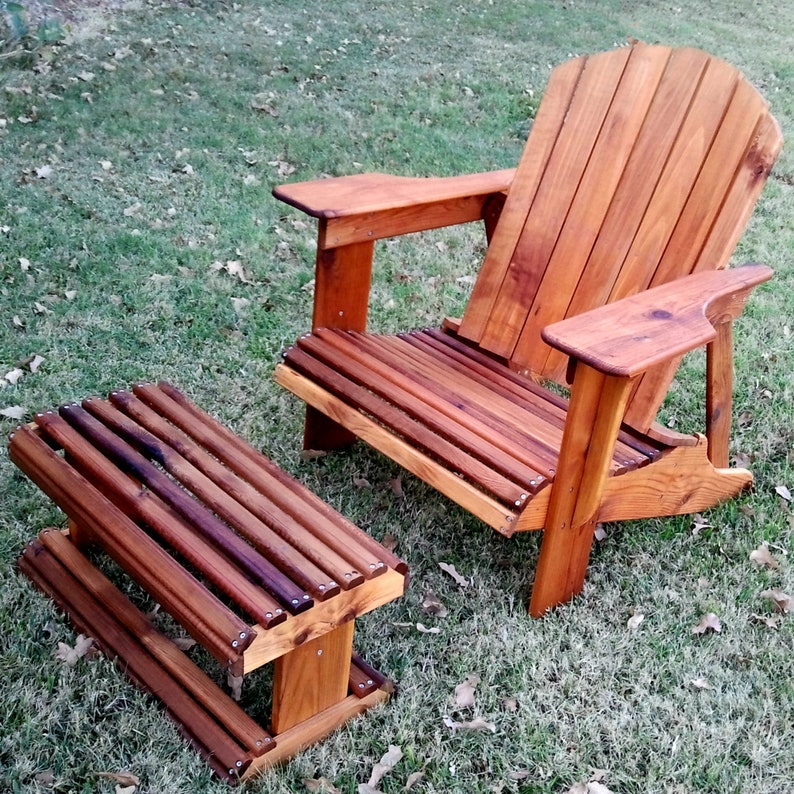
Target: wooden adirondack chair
[[606, 257]]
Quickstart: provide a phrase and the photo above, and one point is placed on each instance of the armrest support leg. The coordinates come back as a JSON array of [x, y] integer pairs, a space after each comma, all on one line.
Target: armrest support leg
[[596, 410], [719, 394], [341, 299]]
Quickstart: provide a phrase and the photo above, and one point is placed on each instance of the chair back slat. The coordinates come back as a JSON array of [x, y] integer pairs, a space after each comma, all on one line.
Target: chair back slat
[[642, 166]]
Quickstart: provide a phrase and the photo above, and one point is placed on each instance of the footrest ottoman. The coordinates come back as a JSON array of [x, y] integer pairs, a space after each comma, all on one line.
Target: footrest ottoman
[[254, 566]]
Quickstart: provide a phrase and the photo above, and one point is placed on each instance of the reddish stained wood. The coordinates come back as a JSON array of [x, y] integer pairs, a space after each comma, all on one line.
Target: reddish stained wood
[[294, 549], [68, 592], [568, 261], [719, 394], [597, 403], [177, 664], [419, 403], [180, 519], [312, 678], [457, 459], [660, 323], [542, 139], [209, 621], [285, 491]]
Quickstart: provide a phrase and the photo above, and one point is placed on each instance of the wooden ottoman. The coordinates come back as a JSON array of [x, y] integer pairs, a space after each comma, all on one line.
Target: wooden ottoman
[[255, 567]]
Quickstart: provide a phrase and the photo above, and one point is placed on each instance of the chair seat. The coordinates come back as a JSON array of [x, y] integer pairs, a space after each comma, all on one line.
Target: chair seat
[[473, 414]]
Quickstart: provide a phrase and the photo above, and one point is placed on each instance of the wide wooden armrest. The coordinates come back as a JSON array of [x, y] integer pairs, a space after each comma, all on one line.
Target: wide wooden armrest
[[343, 196], [368, 207], [629, 336]]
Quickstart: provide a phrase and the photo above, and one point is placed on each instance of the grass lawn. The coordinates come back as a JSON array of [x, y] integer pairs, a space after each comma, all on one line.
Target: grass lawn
[[138, 240]]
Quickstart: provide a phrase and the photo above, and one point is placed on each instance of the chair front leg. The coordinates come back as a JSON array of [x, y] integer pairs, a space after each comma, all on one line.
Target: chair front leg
[[596, 410], [719, 394]]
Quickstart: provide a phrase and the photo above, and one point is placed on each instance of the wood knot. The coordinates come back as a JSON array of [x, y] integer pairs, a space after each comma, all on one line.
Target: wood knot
[[661, 314]]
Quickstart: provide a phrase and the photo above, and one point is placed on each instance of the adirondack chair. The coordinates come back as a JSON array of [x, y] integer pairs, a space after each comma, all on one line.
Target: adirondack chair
[[606, 263]]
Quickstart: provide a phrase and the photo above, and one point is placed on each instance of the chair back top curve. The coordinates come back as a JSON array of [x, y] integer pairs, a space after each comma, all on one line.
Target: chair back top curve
[[643, 165]]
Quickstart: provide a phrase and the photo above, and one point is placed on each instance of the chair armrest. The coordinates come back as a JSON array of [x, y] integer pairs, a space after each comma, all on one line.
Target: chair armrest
[[629, 336], [367, 207]]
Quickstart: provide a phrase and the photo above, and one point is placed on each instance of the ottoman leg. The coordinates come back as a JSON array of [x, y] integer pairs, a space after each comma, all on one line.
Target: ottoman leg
[[312, 677]]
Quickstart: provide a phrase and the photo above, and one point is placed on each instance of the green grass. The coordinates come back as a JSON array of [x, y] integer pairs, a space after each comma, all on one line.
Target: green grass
[[108, 272]]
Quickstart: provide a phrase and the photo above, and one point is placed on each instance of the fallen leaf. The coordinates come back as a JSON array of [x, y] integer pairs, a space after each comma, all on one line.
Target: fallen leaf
[[433, 606], [600, 533], [71, 655], [464, 692], [422, 629], [46, 778], [396, 484], [125, 789], [477, 724], [35, 363], [634, 621], [578, 788], [708, 622], [510, 704], [321, 784], [389, 542], [783, 492], [361, 482], [780, 600], [700, 683], [699, 524], [14, 375], [450, 569], [413, 779], [235, 268], [86, 77], [312, 454], [594, 787], [770, 621], [762, 556], [240, 304], [184, 643], [13, 412], [386, 764], [235, 684], [518, 775], [44, 172], [122, 778]]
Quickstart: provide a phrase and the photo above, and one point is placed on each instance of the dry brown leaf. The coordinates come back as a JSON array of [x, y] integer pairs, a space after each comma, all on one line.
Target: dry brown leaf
[[518, 775], [770, 621], [783, 492], [464, 692], [184, 643], [422, 629], [510, 704], [235, 684], [386, 764], [35, 363], [12, 376], [762, 556], [312, 454], [413, 779], [708, 622], [700, 683], [361, 482], [600, 533], [71, 655], [122, 778], [13, 412], [46, 778], [433, 606], [240, 304], [699, 524], [321, 784], [451, 570], [780, 600], [634, 621], [396, 484], [389, 542], [477, 724]]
